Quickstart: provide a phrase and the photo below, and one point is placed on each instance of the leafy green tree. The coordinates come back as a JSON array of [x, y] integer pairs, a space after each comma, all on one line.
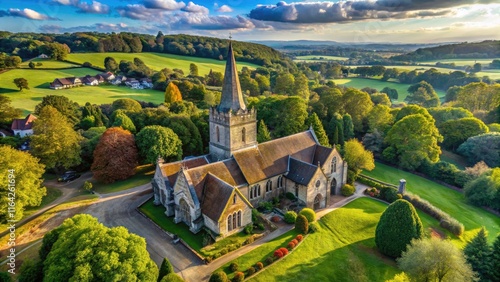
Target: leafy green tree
[[309, 214], [398, 225], [93, 110], [316, 124], [157, 141], [219, 276], [165, 268], [478, 96], [88, 144], [285, 83], [301, 87], [302, 224], [104, 254], [263, 82], [193, 69], [380, 99], [110, 64], [7, 112], [357, 104], [451, 93], [443, 114], [123, 121], [87, 186], [435, 260], [172, 93], [412, 140], [412, 110], [484, 190], [249, 85], [336, 130], [477, 253], [28, 173], [115, 156], [126, 104], [348, 126], [263, 134], [31, 65], [31, 271], [172, 277], [357, 157], [329, 103], [477, 67], [484, 147], [291, 117], [215, 78], [422, 94], [54, 140], [56, 51], [391, 93], [189, 134], [69, 109], [379, 118], [456, 132], [21, 83], [495, 260]]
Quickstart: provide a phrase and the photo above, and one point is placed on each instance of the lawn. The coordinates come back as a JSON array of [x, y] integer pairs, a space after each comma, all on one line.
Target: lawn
[[343, 249], [453, 158], [143, 175], [461, 62], [195, 241], [379, 85], [158, 61], [49, 64], [448, 200], [319, 58]]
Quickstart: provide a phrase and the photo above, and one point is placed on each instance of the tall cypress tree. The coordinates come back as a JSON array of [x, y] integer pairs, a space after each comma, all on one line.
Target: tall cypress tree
[[477, 253], [263, 134], [316, 124], [165, 268], [348, 127], [495, 260]]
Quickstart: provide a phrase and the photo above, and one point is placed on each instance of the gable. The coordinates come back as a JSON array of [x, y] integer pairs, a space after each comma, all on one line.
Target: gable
[[171, 170], [301, 172], [183, 186]]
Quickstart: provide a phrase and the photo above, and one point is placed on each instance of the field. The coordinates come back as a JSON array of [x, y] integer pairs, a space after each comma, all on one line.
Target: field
[[448, 200], [39, 83], [319, 58], [460, 62], [379, 85], [157, 61], [49, 64]]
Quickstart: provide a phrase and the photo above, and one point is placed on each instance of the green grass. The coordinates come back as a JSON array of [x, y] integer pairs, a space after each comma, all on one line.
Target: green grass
[[453, 158], [343, 249], [448, 200], [143, 175], [318, 58], [379, 85], [49, 64], [158, 61], [461, 62]]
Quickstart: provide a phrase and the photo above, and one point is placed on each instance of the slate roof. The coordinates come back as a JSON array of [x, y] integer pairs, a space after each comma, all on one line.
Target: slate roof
[[300, 172], [62, 81], [23, 124], [321, 154], [171, 170], [214, 196], [231, 98]]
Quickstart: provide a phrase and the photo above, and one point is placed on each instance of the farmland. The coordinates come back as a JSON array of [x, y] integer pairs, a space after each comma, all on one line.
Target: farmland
[[319, 58], [49, 64]]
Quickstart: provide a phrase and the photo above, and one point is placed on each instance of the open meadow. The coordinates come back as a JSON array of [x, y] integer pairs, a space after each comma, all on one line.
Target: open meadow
[[157, 61], [49, 64], [460, 62], [319, 58]]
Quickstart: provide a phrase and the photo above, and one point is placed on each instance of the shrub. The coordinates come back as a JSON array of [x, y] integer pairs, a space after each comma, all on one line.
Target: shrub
[[275, 219], [250, 271], [444, 171], [301, 224], [299, 237], [278, 253], [219, 276], [369, 182], [388, 194], [233, 267], [284, 251], [290, 217], [295, 241], [216, 255], [223, 251], [238, 277], [267, 206], [259, 266], [269, 260], [291, 245], [249, 229], [260, 225], [290, 196], [87, 64], [165, 268], [249, 240], [347, 190], [309, 214], [313, 227], [209, 259], [255, 215]]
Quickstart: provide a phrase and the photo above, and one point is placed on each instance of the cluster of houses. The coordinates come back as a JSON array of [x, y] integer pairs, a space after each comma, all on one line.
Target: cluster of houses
[[108, 77]]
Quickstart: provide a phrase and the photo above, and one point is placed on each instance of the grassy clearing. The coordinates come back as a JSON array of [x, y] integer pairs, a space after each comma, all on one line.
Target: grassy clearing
[[157, 61], [344, 235], [453, 158], [319, 58], [461, 62], [49, 64], [142, 176], [448, 200], [379, 85]]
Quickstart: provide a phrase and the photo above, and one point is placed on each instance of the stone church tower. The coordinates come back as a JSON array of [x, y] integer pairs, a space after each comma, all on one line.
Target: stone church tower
[[232, 125]]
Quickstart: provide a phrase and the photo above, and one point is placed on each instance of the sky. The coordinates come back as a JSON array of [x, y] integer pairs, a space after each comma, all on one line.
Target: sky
[[360, 21]]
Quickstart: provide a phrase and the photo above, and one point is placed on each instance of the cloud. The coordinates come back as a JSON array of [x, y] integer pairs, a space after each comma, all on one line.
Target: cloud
[[168, 5], [27, 14], [205, 22], [224, 9], [101, 27], [346, 11], [84, 7], [139, 12], [193, 8]]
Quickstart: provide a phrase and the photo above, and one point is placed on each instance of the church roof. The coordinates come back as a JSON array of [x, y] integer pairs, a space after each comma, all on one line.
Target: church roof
[[300, 172], [271, 158], [171, 170], [231, 98], [321, 154], [215, 195]]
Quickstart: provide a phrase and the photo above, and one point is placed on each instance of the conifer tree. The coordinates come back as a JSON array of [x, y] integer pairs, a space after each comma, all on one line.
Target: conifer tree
[[263, 134], [316, 124], [348, 127], [477, 253], [165, 268], [495, 260], [172, 93]]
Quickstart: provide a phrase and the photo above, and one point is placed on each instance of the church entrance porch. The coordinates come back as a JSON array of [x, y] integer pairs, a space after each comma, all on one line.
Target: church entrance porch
[[333, 187], [183, 213], [317, 202]]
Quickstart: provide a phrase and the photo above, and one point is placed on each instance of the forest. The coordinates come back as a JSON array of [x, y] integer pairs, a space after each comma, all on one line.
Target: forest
[[485, 49]]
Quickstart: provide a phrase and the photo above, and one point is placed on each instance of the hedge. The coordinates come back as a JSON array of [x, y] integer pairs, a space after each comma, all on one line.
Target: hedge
[[347, 190], [290, 217]]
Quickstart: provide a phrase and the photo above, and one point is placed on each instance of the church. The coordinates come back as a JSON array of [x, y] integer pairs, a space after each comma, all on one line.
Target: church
[[218, 191]]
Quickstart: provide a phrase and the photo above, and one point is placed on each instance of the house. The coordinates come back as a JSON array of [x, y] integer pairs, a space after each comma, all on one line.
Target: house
[[23, 127], [89, 80], [100, 78], [218, 191], [146, 82], [61, 83], [75, 81], [132, 82], [108, 76], [42, 56], [119, 79]]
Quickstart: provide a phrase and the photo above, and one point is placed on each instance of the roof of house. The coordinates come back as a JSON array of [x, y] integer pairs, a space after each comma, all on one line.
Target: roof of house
[[214, 196], [300, 172], [321, 154], [171, 170], [62, 81], [23, 124]]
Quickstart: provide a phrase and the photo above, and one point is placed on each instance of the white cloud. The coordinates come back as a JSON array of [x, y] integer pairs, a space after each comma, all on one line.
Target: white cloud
[[168, 5], [27, 13], [224, 9], [193, 8]]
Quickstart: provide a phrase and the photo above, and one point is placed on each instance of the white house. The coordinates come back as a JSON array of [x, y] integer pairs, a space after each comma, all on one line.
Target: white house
[[23, 127]]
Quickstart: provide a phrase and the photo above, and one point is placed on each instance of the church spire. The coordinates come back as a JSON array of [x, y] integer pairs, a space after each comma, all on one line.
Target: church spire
[[231, 98]]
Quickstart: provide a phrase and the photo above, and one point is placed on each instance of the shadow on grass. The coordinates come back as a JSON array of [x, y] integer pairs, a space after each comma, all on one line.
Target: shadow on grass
[[45, 85], [8, 90]]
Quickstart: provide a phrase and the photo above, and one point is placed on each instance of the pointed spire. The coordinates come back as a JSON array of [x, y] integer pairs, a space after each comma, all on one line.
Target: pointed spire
[[231, 98]]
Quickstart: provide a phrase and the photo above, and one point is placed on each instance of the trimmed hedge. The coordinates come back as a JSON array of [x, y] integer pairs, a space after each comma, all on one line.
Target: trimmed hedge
[[389, 194], [219, 276], [290, 217], [309, 214], [445, 220], [302, 224], [238, 277], [347, 190], [233, 267]]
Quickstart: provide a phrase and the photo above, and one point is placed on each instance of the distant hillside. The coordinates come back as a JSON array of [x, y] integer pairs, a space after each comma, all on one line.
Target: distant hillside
[[485, 49], [30, 45]]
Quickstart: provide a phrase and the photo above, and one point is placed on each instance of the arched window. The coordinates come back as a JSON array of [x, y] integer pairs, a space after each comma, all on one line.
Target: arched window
[[230, 222], [234, 199], [269, 186], [235, 220], [217, 132], [244, 135], [258, 190], [239, 218], [334, 165], [280, 181]]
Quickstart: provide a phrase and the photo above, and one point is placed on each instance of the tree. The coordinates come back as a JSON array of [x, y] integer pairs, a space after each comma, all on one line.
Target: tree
[[302, 224], [172, 277], [31, 65], [263, 82], [214, 78], [422, 94], [189, 134], [477, 253], [478, 96], [495, 260], [69, 109], [301, 87], [172, 93], [263, 134], [87, 186], [21, 83], [336, 129], [391, 92], [484, 190], [412, 110], [477, 67], [219, 276], [110, 64], [86, 250], [157, 141], [193, 69], [126, 104], [357, 104], [7, 112], [317, 126], [123, 121], [443, 114], [412, 140], [54, 140], [484, 147], [309, 214], [451, 93], [115, 156], [357, 157], [31, 271], [456, 132], [284, 84], [398, 225], [435, 260], [28, 179], [348, 127], [165, 268], [379, 118]]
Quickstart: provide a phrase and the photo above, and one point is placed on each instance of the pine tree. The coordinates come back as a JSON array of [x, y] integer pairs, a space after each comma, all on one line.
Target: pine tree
[[316, 124], [348, 127], [172, 93], [165, 268], [495, 260], [263, 134], [477, 253]]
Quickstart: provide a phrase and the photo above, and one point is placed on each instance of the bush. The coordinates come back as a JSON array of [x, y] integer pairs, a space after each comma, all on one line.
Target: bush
[[347, 190], [209, 259], [299, 237], [388, 194], [290, 196], [301, 224], [249, 240], [313, 227], [87, 64], [369, 182], [278, 254], [223, 251], [233, 267], [275, 219], [250, 271], [269, 260], [445, 172], [290, 217], [291, 245], [172, 277], [249, 229], [238, 277], [284, 251], [266, 206], [309, 214], [259, 266], [165, 268], [219, 276]]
